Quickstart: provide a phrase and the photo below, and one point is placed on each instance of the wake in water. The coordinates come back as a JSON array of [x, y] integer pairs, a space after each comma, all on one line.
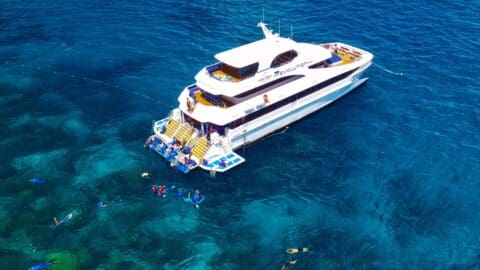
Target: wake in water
[[388, 70]]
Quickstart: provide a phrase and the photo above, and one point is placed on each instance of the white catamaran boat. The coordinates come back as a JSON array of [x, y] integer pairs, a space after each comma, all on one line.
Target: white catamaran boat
[[253, 90]]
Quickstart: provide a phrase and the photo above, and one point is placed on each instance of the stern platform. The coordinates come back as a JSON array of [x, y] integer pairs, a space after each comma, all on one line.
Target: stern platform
[[185, 149]]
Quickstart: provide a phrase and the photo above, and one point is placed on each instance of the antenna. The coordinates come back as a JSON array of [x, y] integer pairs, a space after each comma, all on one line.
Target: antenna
[[279, 27], [263, 14]]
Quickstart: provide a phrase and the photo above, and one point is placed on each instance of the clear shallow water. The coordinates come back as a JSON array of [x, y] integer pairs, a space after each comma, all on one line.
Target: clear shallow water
[[385, 178]]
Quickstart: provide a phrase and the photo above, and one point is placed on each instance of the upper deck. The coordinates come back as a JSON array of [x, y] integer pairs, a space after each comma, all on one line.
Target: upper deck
[[262, 73], [243, 68], [233, 90], [225, 79]]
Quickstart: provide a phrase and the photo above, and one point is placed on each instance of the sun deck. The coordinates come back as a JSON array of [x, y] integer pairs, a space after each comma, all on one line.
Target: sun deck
[[347, 55]]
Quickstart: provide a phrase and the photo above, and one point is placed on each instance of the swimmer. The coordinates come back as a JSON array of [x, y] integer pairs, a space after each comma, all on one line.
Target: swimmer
[[161, 191], [64, 220], [101, 205], [288, 265], [190, 200], [43, 265], [168, 190], [38, 181], [196, 200], [198, 197], [145, 175], [180, 193], [154, 190], [297, 250]]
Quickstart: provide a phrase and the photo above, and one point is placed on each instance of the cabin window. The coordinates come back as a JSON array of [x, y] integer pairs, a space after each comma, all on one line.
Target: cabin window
[[270, 85], [244, 72], [283, 58]]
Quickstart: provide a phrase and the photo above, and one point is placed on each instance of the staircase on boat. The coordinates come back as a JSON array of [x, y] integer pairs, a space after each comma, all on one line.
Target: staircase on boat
[[184, 132], [172, 127], [220, 157], [201, 148], [226, 144]]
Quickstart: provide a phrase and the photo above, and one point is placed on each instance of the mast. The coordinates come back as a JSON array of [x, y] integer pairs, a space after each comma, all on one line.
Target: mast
[[266, 32]]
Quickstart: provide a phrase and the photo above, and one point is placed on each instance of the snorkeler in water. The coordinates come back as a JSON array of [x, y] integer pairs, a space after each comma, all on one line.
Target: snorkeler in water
[[288, 265], [154, 190], [167, 190], [145, 175], [180, 193], [43, 265], [62, 221], [101, 205], [198, 197], [196, 200], [297, 250], [161, 191], [38, 181]]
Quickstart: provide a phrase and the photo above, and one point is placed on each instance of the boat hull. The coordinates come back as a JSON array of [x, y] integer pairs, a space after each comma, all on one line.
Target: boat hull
[[282, 117]]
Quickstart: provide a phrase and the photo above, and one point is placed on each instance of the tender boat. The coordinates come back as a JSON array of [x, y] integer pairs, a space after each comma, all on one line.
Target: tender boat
[[252, 91]]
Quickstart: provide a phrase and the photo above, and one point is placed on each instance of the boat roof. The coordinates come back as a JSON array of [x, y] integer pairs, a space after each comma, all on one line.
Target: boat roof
[[265, 50], [260, 51]]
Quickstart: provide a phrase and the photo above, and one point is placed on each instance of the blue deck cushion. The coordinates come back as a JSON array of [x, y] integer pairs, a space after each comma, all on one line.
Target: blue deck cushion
[[163, 148], [335, 58], [230, 156], [171, 155]]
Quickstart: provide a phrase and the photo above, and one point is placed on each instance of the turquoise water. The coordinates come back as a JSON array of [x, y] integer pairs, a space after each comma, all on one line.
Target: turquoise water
[[385, 178]]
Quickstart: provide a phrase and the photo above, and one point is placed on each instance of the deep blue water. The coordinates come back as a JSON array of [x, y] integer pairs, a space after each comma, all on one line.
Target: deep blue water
[[388, 177]]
